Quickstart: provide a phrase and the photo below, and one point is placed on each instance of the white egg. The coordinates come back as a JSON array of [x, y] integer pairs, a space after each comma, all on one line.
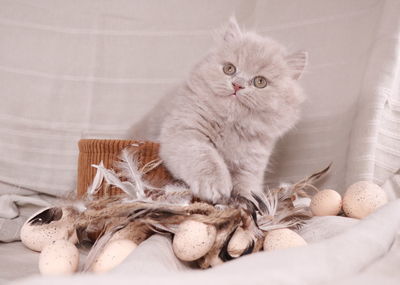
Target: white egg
[[239, 242], [326, 203], [281, 239], [58, 258], [193, 240], [363, 198], [48, 225], [113, 254]]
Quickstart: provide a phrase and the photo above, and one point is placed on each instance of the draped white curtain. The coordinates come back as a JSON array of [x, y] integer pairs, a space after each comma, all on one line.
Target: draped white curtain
[[374, 152], [90, 68]]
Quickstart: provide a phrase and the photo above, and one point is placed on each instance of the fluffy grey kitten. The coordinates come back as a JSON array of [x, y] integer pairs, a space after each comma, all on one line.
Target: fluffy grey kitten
[[218, 128]]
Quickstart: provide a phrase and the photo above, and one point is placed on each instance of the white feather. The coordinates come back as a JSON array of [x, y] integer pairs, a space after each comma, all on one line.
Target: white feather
[[128, 168], [112, 178], [80, 206], [274, 217], [271, 201], [97, 181], [151, 165]]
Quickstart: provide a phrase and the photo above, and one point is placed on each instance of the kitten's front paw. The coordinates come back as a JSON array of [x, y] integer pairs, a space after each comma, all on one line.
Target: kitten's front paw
[[213, 188]]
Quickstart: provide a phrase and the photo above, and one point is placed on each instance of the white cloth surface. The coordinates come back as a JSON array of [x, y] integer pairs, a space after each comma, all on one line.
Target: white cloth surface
[[79, 69], [17, 261], [16, 207], [350, 251], [9, 202]]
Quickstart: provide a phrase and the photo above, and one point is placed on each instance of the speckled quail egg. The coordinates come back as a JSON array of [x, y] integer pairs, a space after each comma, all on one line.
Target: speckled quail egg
[[193, 240], [281, 239], [58, 258], [46, 226], [326, 203], [362, 198]]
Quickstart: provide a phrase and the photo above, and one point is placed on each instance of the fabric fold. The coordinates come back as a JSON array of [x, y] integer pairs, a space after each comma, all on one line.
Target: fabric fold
[[342, 256]]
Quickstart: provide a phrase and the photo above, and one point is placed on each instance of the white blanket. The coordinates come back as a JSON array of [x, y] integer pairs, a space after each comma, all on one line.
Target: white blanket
[[340, 250], [70, 71]]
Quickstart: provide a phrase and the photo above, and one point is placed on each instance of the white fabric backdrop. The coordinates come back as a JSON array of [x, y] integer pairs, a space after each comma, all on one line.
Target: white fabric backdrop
[[75, 69]]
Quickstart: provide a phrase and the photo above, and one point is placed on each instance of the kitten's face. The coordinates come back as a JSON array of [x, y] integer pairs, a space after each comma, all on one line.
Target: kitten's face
[[249, 72]]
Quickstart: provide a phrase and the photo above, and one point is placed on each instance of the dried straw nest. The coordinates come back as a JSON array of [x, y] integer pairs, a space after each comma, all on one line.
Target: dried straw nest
[[215, 233]]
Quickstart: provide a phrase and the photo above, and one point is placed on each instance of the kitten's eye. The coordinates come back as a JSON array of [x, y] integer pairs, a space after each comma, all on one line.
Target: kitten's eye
[[260, 81], [229, 69]]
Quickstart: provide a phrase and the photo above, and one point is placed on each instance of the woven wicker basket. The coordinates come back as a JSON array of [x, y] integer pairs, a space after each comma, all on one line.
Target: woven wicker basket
[[93, 151]]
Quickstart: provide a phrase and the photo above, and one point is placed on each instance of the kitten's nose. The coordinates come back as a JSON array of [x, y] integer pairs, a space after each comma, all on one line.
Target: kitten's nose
[[236, 86]]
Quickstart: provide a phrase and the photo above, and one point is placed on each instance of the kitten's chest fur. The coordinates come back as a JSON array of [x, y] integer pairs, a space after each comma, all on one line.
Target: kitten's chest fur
[[237, 139]]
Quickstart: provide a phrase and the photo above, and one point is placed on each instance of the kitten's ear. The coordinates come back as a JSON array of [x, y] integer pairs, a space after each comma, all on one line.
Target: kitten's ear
[[297, 63], [232, 31]]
